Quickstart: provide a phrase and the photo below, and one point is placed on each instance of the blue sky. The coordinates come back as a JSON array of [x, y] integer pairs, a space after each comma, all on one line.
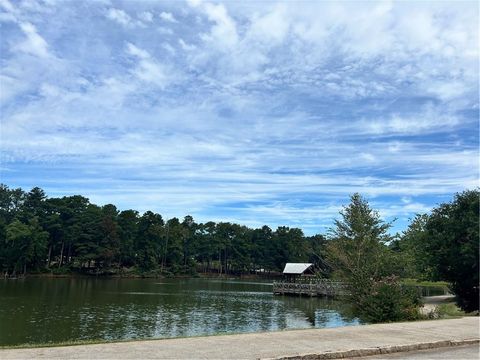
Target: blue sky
[[253, 112]]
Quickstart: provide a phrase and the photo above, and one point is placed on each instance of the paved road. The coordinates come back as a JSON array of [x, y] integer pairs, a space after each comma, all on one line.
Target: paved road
[[448, 353], [267, 345]]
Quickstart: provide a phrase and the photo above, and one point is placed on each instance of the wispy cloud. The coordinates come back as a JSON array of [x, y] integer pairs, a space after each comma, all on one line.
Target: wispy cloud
[[166, 16], [119, 16], [255, 113]]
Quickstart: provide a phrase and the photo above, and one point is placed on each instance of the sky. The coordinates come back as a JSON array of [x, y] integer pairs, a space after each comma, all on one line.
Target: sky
[[244, 111]]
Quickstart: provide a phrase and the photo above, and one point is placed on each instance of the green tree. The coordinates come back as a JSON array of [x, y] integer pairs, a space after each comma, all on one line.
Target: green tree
[[205, 245], [263, 249], [174, 245], [189, 239], [72, 210], [17, 239], [290, 246], [128, 222], [27, 244], [34, 204], [317, 252], [452, 246], [358, 253], [241, 249], [109, 246], [11, 202], [410, 249], [88, 237], [148, 244]]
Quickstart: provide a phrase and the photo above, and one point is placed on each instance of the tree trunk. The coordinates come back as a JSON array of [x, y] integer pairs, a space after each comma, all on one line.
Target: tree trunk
[[226, 261], [49, 255], [61, 255], [219, 262]]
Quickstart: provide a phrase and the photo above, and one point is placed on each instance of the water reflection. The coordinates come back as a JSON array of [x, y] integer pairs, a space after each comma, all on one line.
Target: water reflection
[[53, 310]]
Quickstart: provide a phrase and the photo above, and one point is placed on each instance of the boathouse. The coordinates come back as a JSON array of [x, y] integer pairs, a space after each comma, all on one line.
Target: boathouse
[[294, 270], [300, 279]]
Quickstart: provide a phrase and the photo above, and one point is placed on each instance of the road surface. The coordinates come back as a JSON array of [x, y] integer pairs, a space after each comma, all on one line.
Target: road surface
[[445, 353]]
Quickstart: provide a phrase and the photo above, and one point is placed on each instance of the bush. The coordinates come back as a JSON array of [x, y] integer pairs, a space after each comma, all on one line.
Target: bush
[[386, 300], [448, 310], [64, 270]]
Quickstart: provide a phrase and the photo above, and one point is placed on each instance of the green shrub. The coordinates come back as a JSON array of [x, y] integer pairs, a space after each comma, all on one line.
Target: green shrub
[[61, 270], [448, 310], [386, 300]]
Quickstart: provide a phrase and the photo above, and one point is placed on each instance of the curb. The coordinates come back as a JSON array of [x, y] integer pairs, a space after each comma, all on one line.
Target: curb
[[380, 350]]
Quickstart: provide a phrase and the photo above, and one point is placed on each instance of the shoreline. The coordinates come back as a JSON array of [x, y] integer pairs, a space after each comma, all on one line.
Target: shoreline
[[212, 275]]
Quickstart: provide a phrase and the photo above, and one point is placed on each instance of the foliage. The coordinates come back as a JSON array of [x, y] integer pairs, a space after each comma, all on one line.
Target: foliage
[[445, 246], [409, 245], [386, 301], [423, 283], [70, 233], [358, 253], [448, 310], [452, 248]]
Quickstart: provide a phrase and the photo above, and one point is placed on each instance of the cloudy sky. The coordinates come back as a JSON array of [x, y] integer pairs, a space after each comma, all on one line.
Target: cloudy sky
[[253, 112]]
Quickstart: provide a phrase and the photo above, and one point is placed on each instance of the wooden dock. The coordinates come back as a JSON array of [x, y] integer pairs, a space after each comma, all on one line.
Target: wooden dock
[[322, 287]]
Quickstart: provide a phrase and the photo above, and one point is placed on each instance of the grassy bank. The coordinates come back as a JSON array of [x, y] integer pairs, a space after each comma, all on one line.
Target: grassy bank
[[415, 282]]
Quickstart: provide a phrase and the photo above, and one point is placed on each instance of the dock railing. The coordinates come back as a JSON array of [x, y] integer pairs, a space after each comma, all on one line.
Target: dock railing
[[310, 287]]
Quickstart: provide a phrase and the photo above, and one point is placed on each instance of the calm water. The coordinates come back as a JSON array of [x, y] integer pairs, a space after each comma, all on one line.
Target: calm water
[[38, 310]]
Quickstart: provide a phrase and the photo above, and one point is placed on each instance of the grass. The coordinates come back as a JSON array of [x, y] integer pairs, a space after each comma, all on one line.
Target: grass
[[448, 310], [415, 282], [55, 344]]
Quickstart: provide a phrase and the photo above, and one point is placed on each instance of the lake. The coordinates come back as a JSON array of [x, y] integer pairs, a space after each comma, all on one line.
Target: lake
[[52, 310]]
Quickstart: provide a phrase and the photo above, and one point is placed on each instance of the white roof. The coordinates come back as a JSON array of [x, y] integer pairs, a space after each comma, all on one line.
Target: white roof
[[296, 268]]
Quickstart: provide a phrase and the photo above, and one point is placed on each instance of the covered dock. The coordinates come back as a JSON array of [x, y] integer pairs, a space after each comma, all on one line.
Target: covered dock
[[300, 279]]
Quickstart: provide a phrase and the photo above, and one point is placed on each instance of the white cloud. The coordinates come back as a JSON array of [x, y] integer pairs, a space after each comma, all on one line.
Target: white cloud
[[185, 46], [119, 16], [166, 16], [430, 119], [164, 30], [146, 16], [169, 48], [7, 17], [148, 69], [9, 87], [135, 51], [448, 90], [34, 44], [7, 6], [270, 28], [224, 32]]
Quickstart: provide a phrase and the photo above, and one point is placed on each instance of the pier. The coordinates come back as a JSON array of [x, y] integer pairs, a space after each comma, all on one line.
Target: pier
[[321, 287]]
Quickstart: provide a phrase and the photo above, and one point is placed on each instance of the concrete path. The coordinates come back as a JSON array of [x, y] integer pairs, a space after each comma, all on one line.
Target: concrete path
[[283, 344]]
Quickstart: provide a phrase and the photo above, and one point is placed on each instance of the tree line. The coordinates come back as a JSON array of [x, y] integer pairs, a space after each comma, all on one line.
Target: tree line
[[39, 234]]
